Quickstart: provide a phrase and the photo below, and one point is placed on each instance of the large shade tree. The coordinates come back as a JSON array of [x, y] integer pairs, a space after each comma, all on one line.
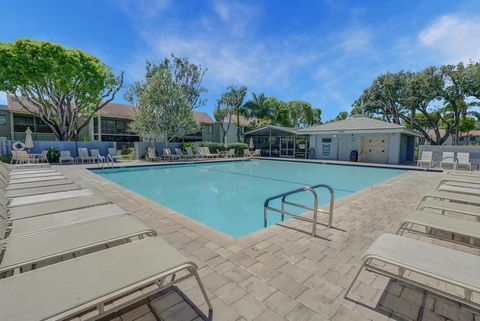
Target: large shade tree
[[63, 87], [166, 99]]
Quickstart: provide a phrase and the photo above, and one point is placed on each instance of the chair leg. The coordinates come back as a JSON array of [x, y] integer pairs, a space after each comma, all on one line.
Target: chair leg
[[353, 281]]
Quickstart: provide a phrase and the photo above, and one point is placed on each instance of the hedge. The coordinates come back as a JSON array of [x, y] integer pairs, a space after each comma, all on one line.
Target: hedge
[[239, 147]]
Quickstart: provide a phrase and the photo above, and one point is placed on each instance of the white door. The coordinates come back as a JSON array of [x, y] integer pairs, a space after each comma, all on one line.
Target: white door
[[374, 149], [343, 152]]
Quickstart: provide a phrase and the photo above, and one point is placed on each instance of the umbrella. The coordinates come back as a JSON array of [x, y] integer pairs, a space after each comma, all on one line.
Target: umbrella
[[28, 138], [251, 143]]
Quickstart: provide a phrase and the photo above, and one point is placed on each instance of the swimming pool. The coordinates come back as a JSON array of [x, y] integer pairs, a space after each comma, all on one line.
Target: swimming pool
[[229, 196]]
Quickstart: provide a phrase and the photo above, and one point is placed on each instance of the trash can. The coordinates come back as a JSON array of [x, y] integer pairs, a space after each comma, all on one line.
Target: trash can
[[354, 156]]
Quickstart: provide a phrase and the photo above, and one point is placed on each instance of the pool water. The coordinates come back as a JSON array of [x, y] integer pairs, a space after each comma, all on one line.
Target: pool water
[[229, 196]]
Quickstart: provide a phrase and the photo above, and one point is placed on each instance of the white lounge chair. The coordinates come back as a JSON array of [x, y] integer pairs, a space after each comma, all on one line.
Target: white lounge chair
[[445, 206], [115, 154], [428, 224], [427, 158], [247, 153], [57, 182], [57, 206], [191, 154], [119, 276], [43, 223], [167, 155], [448, 159], [390, 253], [452, 197], [459, 190], [84, 157], [152, 154], [24, 253], [65, 157], [35, 199], [464, 161], [41, 190], [96, 156], [209, 154]]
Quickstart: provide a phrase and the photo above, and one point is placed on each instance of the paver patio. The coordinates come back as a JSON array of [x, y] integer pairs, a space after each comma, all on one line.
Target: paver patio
[[282, 273]]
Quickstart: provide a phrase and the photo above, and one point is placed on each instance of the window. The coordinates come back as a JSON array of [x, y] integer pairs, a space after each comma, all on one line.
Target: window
[[472, 138], [207, 129], [326, 146], [3, 119]]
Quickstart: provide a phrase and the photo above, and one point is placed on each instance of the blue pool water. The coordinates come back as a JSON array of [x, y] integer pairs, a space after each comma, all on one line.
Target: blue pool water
[[229, 196]]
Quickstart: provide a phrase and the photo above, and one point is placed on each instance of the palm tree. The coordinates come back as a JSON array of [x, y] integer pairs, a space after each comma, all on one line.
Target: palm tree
[[235, 97]]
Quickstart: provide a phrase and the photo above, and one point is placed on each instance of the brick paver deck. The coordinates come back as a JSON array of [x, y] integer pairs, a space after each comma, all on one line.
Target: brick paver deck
[[282, 273]]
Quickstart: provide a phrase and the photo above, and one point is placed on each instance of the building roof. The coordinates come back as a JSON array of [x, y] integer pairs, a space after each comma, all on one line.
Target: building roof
[[271, 128], [113, 110], [357, 124]]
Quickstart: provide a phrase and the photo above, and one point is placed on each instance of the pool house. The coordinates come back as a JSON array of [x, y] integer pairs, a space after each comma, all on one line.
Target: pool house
[[361, 139], [276, 141]]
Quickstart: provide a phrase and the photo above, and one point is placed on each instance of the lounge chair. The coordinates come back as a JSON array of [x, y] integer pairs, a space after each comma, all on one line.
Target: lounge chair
[[42, 158], [231, 152], [43, 223], [179, 152], [448, 158], [41, 190], [464, 161], [152, 155], [115, 154], [57, 206], [65, 157], [191, 154], [58, 182], [427, 224], [202, 153], [36, 179], [25, 253], [452, 197], [167, 155], [22, 157], [212, 155], [427, 158], [459, 190], [35, 199], [247, 153], [97, 284], [403, 255], [257, 153], [84, 157], [445, 206], [96, 156]]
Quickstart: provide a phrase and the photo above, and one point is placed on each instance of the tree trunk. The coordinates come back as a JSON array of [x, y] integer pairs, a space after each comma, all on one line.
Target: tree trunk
[[238, 127]]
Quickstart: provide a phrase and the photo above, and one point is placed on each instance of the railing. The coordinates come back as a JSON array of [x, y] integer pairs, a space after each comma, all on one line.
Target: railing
[[314, 209], [102, 161], [455, 159]]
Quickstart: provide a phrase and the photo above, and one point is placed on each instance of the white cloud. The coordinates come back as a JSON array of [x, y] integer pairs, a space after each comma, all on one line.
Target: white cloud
[[3, 98], [356, 39], [142, 8], [453, 37]]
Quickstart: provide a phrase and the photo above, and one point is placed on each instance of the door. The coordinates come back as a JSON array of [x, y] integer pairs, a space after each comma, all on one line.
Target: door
[[287, 147], [343, 151], [374, 149]]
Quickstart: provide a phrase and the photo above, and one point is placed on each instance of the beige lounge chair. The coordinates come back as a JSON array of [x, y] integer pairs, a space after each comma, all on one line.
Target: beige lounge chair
[[40, 224], [115, 154], [65, 157], [41, 190], [57, 206], [464, 161], [452, 197], [427, 158], [203, 153], [36, 179], [24, 253], [167, 155], [97, 284], [58, 182], [209, 154], [231, 152], [428, 224], [247, 153], [396, 256], [152, 154], [459, 189], [35, 199], [22, 157], [445, 206], [84, 157], [448, 159]]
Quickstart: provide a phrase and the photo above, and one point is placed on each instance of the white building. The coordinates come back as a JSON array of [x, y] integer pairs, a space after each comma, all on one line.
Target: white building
[[375, 141]]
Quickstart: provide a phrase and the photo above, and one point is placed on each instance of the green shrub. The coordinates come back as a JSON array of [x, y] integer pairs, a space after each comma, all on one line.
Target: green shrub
[[183, 146], [53, 155], [239, 147], [7, 158], [128, 154]]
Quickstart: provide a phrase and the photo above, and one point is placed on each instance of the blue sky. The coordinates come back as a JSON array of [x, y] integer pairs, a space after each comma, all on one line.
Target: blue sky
[[325, 52]]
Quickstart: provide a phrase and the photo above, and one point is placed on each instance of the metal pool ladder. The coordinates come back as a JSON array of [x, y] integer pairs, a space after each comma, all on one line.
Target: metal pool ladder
[[315, 209]]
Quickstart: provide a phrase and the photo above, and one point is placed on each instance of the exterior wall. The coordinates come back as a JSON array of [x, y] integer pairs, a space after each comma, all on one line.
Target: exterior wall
[[5, 124], [231, 136], [342, 144]]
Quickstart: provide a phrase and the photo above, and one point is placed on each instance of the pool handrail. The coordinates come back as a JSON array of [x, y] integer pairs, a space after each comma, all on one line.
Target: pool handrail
[[315, 209]]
